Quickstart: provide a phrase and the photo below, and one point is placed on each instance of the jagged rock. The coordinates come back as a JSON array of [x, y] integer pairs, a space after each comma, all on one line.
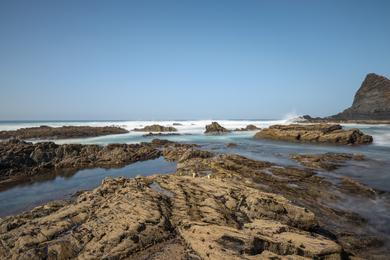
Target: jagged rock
[[61, 132], [124, 217], [215, 128], [326, 161], [248, 128], [316, 133], [371, 102], [156, 128]]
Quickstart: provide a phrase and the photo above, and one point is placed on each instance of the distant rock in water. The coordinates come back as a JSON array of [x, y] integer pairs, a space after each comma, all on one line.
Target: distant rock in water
[[248, 128], [156, 128], [215, 128], [61, 132], [372, 100], [316, 133]]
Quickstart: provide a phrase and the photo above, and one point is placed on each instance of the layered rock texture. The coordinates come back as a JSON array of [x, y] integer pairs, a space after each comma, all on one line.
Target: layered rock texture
[[315, 133], [156, 128], [215, 128], [371, 102], [47, 132]]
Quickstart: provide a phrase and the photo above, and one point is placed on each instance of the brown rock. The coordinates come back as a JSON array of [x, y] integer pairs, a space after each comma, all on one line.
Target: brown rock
[[316, 133], [124, 217], [215, 128]]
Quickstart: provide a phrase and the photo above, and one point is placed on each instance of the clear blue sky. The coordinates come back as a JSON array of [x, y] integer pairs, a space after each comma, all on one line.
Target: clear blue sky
[[187, 59]]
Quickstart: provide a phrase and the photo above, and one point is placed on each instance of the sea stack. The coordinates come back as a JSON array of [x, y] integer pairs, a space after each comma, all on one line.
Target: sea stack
[[371, 102]]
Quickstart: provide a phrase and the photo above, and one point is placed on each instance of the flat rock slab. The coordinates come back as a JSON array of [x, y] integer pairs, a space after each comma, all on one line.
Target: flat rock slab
[[63, 132], [315, 133]]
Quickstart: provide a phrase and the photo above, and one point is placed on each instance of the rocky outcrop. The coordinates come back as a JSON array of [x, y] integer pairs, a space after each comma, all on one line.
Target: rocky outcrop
[[215, 128], [248, 128], [371, 102], [216, 206], [47, 132], [156, 128], [315, 133], [204, 218], [326, 161], [21, 159]]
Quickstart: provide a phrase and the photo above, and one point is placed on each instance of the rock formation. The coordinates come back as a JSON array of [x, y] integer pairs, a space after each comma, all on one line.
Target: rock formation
[[156, 128], [316, 133], [215, 128], [248, 128], [47, 132], [371, 102]]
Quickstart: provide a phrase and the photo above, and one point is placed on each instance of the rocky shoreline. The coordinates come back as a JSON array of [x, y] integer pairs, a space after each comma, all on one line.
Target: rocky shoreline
[[63, 132], [216, 206]]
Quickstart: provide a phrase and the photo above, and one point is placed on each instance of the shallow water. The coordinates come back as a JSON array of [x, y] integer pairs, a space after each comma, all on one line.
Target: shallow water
[[65, 183]]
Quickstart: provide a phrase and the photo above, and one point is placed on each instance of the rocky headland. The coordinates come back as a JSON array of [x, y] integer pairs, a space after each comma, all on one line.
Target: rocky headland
[[371, 104], [215, 128], [63, 132], [156, 128], [315, 133], [216, 206]]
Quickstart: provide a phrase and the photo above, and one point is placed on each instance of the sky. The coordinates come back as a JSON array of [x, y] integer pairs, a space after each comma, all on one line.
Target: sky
[[221, 59]]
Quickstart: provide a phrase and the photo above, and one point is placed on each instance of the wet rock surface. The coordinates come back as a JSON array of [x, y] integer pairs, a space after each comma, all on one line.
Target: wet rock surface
[[215, 128], [47, 132], [315, 133], [156, 128]]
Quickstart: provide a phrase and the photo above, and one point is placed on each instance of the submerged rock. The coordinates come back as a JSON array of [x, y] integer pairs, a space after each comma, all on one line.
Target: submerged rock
[[326, 161], [315, 133], [215, 128], [156, 128], [63, 132]]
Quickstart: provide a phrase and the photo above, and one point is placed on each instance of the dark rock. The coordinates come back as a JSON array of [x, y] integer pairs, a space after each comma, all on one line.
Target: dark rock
[[19, 158], [159, 134], [372, 100], [231, 145], [215, 128]]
